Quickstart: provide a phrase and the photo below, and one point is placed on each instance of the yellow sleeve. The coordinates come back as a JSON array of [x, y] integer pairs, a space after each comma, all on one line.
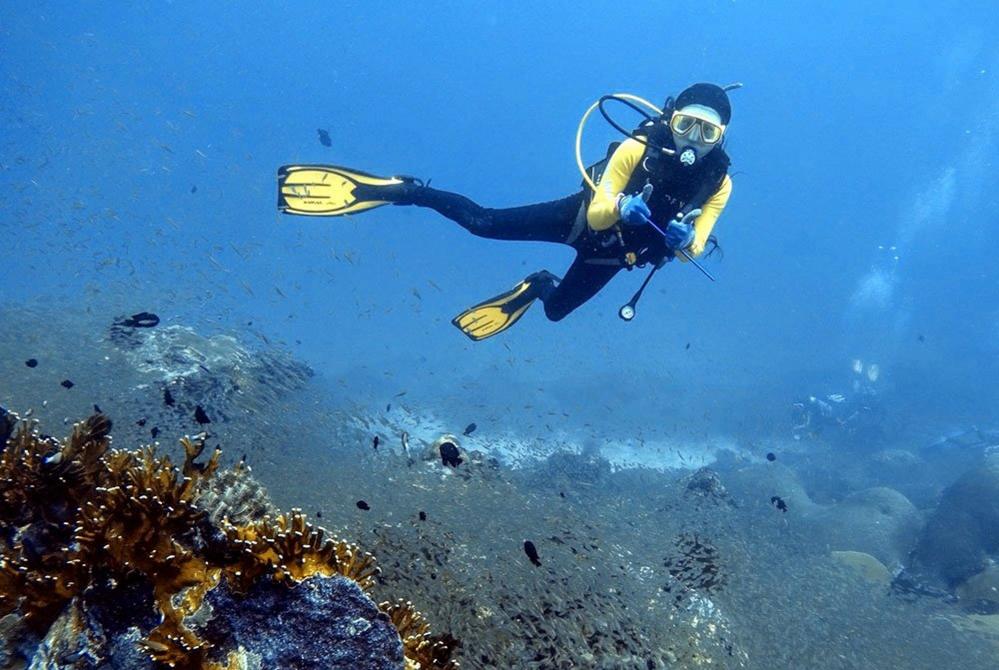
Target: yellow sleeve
[[602, 212], [710, 211]]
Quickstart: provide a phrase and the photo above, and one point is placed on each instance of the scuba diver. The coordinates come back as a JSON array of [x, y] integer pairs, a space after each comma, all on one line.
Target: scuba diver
[[853, 414], [657, 195]]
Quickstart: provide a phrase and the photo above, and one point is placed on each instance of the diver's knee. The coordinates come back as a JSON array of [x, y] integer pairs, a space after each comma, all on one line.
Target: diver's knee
[[555, 311]]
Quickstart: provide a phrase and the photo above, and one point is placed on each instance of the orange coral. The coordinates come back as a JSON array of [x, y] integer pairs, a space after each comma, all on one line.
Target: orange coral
[[423, 650], [291, 549], [42, 481]]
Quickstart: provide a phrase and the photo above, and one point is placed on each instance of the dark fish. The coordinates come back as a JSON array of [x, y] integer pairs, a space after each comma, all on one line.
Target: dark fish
[[532, 552], [561, 494], [243, 459], [319, 514], [363, 505], [469, 429], [97, 409], [66, 384], [324, 138], [375, 442], [140, 423], [449, 455], [921, 338], [194, 189], [779, 503], [31, 362], [200, 416], [771, 456], [168, 398], [154, 432], [388, 407], [687, 347], [423, 515], [140, 320]]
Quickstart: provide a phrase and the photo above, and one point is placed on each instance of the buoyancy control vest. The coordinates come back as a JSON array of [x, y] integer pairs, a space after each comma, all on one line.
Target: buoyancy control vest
[[677, 188]]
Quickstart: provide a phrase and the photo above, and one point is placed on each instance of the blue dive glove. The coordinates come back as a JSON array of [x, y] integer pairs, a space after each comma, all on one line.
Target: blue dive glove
[[679, 235], [633, 209]]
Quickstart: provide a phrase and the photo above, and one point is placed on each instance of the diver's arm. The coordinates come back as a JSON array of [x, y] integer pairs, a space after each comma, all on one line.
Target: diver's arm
[[602, 212], [710, 211]]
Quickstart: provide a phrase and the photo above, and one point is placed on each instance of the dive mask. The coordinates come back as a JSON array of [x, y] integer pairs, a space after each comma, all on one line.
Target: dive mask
[[708, 132]]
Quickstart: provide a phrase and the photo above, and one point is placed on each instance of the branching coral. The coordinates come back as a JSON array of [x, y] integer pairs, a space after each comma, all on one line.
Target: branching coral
[[423, 650], [290, 549], [42, 482], [80, 513]]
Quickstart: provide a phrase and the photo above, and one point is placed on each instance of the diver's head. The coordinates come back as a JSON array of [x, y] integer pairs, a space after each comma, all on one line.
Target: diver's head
[[698, 121]]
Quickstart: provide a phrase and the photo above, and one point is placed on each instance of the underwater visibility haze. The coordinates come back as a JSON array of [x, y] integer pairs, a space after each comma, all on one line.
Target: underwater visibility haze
[[248, 224]]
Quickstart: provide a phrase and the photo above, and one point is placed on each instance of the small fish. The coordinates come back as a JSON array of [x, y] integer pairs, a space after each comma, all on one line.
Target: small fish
[[154, 432], [200, 416], [771, 456], [168, 398], [921, 338], [140, 320], [405, 441], [375, 442], [363, 505], [561, 494], [779, 503], [243, 459], [400, 394], [469, 429], [97, 409], [423, 515], [388, 407], [324, 137], [194, 189], [532, 553], [687, 347], [319, 514], [66, 384], [449, 455], [31, 363], [140, 423]]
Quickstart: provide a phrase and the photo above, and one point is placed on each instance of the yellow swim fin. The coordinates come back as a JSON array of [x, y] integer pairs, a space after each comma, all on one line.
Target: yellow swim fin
[[329, 190], [497, 314]]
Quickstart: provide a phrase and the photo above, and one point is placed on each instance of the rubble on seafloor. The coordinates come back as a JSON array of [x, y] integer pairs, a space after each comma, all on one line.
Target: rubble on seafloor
[[120, 559]]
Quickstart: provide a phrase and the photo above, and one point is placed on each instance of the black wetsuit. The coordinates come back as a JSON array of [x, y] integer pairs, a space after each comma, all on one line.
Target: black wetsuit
[[542, 222]]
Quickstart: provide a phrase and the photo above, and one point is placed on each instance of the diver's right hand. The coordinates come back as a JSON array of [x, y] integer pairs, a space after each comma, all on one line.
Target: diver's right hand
[[633, 209]]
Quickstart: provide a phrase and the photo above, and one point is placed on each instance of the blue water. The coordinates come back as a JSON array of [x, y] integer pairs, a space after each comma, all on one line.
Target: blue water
[[139, 146]]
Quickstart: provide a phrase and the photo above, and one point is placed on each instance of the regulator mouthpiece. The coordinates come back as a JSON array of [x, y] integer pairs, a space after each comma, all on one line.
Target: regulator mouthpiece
[[688, 157]]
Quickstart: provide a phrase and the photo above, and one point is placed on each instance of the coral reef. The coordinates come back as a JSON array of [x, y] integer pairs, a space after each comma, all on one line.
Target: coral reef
[[100, 541]]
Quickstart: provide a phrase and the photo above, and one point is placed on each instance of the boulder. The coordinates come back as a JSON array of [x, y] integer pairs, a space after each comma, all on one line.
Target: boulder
[[981, 588], [877, 521], [962, 534], [323, 622], [864, 565]]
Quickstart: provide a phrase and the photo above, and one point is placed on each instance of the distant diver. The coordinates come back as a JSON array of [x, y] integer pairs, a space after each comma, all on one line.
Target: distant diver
[[655, 196], [854, 413]]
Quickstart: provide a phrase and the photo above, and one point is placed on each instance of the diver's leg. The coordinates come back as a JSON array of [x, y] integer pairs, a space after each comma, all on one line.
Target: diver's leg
[[582, 281], [541, 222]]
